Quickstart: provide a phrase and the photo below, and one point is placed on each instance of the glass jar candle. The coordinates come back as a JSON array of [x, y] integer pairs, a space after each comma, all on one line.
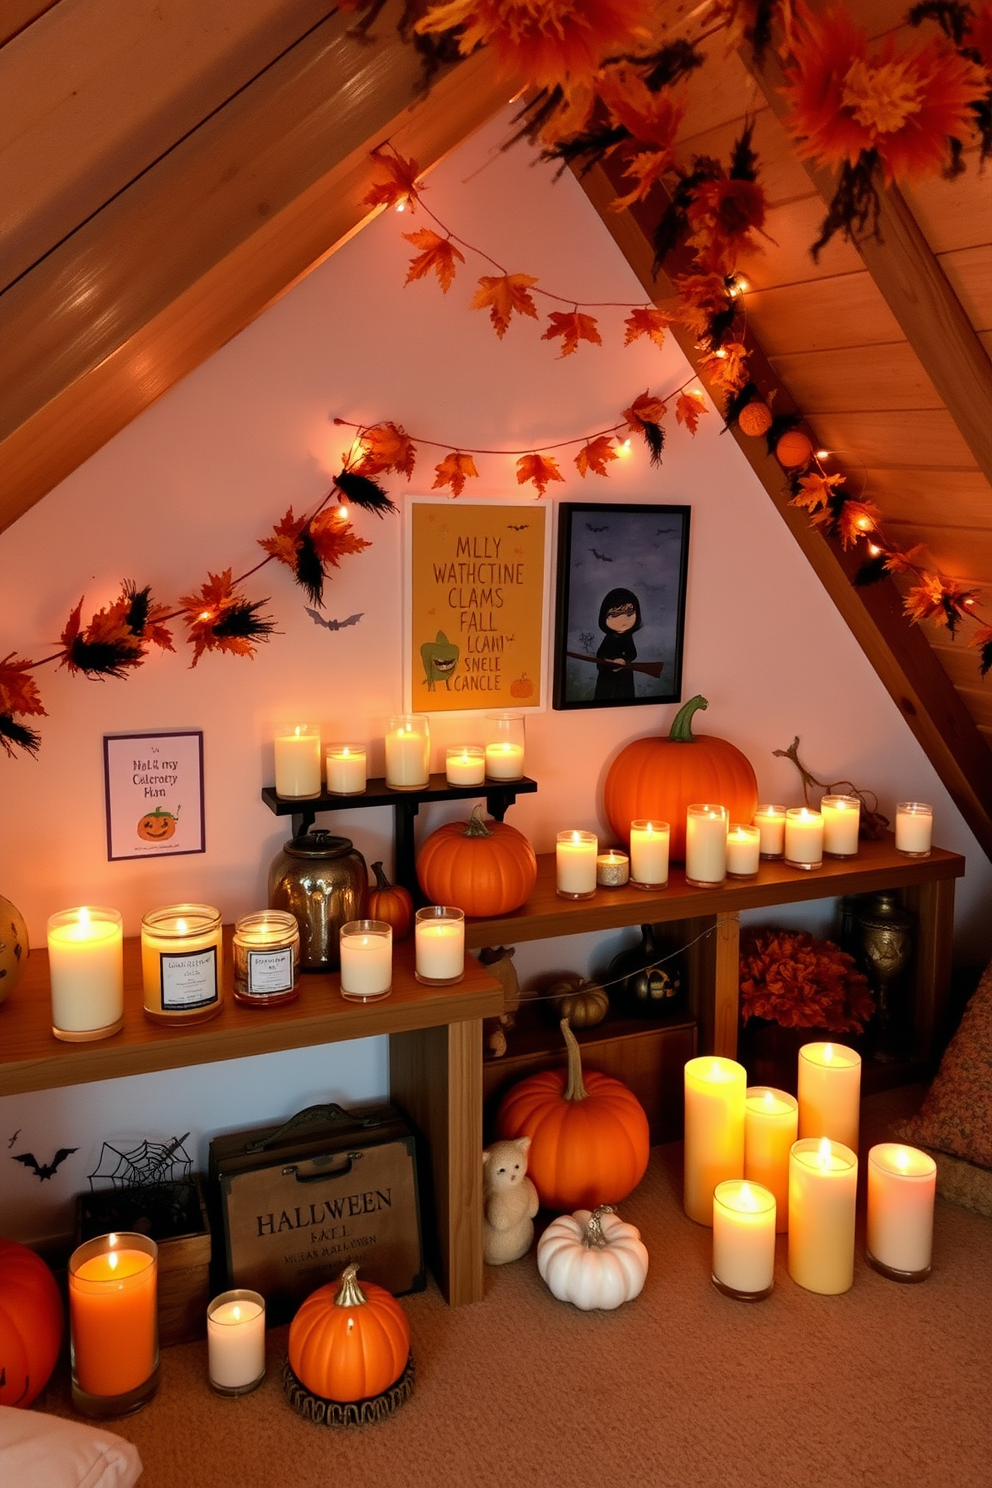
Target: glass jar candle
[[297, 752], [236, 1342], [612, 868], [439, 932], [408, 752], [706, 826], [575, 864], [504, 746], [649, 847], [113, 1324], [770, 821], [803, 838], [841, 821], [366, 948], [86, 972], [914, 828], [345, 769], [743, 851], [743, 1239], [465, 764], [266, 957], [181, 963]]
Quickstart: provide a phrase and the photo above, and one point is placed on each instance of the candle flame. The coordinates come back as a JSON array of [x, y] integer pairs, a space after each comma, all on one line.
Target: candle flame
[[112, 1260], [902, 1158], [770, 1099], [828, 1053], [298, 730], [823, 1152], [747, 1198], [181, 927], [84, 918], [236, 1313]]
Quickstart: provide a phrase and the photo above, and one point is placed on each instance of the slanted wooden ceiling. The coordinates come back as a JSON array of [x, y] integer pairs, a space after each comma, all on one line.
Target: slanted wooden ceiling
[[168, 169]]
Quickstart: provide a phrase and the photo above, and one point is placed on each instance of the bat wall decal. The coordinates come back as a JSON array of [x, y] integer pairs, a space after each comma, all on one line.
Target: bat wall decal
[[601, 556], [44, 1170], [318, 619], [591, 528]]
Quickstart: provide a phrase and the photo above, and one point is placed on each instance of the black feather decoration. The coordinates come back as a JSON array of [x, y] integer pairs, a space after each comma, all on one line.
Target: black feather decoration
[[952, 18], [780, 425], [855, 205], [17, 735], [534, 115], [677, 60], [738, 401], [672, 228], [986, 655], [589, 148], [241, 620], [654, 434], [112, 658], [139, 603], [362, 491], [718, 326], [744, 160], [759, 32], [870, 572], [310, 573]]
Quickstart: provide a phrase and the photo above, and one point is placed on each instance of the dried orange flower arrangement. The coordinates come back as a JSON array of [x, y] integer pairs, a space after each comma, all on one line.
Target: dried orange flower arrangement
[[791, 978]]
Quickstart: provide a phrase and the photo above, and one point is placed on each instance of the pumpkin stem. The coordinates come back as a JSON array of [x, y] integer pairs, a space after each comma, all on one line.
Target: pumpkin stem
[[593, 1236], [477, 827], [681, 730], [574, 1090], [349, 1293], [381, 881]]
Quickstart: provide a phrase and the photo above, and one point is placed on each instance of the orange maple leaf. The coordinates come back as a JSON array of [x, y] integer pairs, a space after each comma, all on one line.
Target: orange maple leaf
[[644, 410], [286, 540], [572, 327], [386, 446], [541, 469], [596, 455], [855, 519], [334, 537], [816, 490], [437, 254], [648, 321], [501, 295], [906, 562], [394, 180], [18, 689], [726, 367], [689, 409], [944, 601], [453, 471], [701, 297], [208, 609]]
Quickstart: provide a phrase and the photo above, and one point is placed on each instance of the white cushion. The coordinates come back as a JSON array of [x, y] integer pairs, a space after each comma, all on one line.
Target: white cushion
[[41, 1451]]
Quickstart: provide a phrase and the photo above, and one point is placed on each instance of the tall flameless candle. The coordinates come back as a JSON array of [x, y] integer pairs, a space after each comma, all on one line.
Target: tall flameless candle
[[743, 1239], [649, 847], [408, 751], [706, 845], [914, 828], [803, 838], [298, 762], [465, 764], [771, 1125], [714, 1130], [236, 1342], [841, 819], [86, 971], [181, 963], [829, 1089], [770, 822], [439, 936], [575, 864], [346, 769], [743, 851], [113, 1323], [504, 746], [366, 959], [823, 1186], [901, 1186]]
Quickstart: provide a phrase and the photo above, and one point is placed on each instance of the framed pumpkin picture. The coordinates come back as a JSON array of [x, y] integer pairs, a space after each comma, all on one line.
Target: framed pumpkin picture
[[154, 794], [620, 604]]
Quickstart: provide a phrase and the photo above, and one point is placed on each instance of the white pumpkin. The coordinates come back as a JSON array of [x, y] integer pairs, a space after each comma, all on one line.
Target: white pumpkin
[[592, 1259]]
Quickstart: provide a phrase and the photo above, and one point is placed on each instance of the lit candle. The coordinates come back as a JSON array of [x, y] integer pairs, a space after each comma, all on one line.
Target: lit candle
[[86, 971], [236, 1342], [914, 828], [346, 769], [408, 748], [743, 1239], [575, 864], [841, 819], [771, 1125], [366, 959], [770, 821], [612, 869], [266, 956], [649, 847], [901, 1186], [504, 761], [181, 963], [298, 762], [439, 936], [823, 1185], [743, 851], [465, 765], [803, 838], [714, 1130], [706, 845], [830, 1093], [113, 1322]]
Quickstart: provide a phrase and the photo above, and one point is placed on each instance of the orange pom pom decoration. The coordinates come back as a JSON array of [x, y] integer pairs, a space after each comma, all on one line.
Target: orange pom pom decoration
[[793, 449], [755, 419]]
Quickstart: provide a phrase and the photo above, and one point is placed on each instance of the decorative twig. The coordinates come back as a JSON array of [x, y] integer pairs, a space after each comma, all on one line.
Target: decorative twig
[[872, 825]]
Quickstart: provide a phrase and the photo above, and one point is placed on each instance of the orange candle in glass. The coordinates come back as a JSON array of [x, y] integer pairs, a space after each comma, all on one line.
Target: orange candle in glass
[[113, 1317]]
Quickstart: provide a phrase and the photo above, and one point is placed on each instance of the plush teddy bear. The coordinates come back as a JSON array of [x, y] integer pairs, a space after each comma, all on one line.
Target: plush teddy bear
[[509, 1202]]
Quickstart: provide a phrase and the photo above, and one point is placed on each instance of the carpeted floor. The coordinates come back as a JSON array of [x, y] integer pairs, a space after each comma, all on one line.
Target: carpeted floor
[[887, 1385]]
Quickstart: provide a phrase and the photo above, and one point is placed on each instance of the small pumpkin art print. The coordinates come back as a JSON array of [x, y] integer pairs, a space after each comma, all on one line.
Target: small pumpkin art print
[[158, 825]]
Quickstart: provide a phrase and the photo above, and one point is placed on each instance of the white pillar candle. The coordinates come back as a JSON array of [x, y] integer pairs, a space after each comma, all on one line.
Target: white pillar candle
[[914, 828], [408, 748], [823, 1185], [649, 848], [612, 869], [771, 1125], [743, 851], [901, 1186], [236, 1342], [366, 948], [182, 963], [86, 972], [829, 1088], [803, 837], [770, 822], [743, 1238], [706, 844], [504, 761], [841, 820], [346, 769], [439, 936], [465, 764], [575, 864], [714, 1130], [298, 762]]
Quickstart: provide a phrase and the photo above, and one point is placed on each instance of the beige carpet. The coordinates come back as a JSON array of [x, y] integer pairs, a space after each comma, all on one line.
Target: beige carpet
[[887, 1385]]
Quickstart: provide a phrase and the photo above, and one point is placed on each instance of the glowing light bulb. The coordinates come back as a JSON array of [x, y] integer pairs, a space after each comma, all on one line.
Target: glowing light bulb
[[823, 454]]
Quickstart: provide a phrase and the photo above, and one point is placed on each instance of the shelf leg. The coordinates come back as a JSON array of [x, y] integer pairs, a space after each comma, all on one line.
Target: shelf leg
[[933, 905], [726, 985]]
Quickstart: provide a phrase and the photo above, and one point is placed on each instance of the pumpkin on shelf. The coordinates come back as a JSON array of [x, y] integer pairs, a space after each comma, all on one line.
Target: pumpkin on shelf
[[589, 1133], [593, 1260], [581, 1001], [659, 777], [31, 1324], [482, 867], [349, 1342], [13, 946], [390, 902]]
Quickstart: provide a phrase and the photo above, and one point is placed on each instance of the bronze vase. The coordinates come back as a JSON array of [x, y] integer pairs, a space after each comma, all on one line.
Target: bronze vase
[[884, 940]]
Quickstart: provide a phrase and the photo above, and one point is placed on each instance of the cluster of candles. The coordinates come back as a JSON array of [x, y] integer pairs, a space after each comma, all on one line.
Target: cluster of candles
[[366, 948], [759, 1161]]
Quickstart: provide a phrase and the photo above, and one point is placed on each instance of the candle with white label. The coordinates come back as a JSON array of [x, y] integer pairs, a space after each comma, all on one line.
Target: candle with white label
[[706, 845], [829, 1088], [914, 828], [743, 851], [408, 749], [298, 762], [182, 963], [770, 821], [86, 972], [823, 1185], [236, 1342], [649, 849], [504, 746], [266, 955], [803, 838], [439, 934], [714, 1130], [465, 764], [841, 820], [743, 1239], [771, 1125], [366, 948], [901, 1186], [575, 864], [346, 769]]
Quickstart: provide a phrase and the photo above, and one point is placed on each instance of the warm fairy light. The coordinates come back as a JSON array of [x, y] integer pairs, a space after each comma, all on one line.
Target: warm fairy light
[[865, 524], [968, 600], [401, 205], [343, 511], [720, 353], [206, 615], [823, 454], [739, 285], [623, 448], [874, 549]]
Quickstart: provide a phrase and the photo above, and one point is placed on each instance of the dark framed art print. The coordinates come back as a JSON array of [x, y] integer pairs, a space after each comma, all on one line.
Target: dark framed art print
[[620, 604]]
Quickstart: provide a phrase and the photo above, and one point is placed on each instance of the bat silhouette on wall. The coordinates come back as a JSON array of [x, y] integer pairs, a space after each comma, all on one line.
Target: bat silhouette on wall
[[44, 1170], [318, 619], [521, 528], [13, 1139], [601, 556], [591, 528]]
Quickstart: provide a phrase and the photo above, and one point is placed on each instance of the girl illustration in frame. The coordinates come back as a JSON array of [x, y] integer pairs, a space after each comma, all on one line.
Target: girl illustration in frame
[[619, 619]]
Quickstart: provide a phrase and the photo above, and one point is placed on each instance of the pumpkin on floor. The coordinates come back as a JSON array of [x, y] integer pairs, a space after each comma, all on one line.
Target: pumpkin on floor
[[481, 867], [589, 1133], [349, 1342], [593, 1260], [31, 1323]]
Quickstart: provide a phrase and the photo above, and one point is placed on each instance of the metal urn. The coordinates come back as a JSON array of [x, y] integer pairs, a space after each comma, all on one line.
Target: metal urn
[[884, 938], [323, 881]]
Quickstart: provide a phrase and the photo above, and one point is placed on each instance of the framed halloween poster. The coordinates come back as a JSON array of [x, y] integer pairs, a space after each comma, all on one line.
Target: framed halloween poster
[[154, 794], [620, 607], [478, 584]]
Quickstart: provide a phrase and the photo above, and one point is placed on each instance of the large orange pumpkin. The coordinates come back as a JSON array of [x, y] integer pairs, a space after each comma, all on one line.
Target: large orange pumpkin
[[392, 903], [31, 1322], [481, 867], [349, 1342], [589, 1138], [661, 777]]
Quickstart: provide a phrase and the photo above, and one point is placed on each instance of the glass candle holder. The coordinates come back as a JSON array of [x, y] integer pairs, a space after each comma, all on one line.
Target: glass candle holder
[[181, 963], [236, 1342], [901, 1186], [771, 1125], [823, 1185], [504, 746], [770, 821], [914, 828], [439, 940], [714, 1093], [612, 869], [649, 848], [841, 820], [266, 957], [86, 971], [706, 827], [575, 864], [465, 764], [113, 1324], [366, 948], [829, 1091], [743, 1239], [803, 838], [408, 752], [743, 851], [345, 769], [297, 753]]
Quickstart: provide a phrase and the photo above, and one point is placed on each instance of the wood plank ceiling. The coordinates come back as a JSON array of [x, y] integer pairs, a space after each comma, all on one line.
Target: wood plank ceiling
[[169, 169]]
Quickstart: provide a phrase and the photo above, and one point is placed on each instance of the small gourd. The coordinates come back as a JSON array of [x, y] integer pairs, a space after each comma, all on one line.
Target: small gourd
[[582, 1002], [390, 902], [349, 1342], [593, 1260]]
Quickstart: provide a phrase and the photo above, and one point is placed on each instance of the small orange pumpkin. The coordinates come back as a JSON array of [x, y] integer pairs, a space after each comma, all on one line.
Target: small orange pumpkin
[[392, 903], [481, 867], [522, 687], [794, 448], [349, 1342], [31, 1323], [157, 826]]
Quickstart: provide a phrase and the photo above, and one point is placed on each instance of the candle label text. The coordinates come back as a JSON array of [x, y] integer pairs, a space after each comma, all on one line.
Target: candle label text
[[188, 979]]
